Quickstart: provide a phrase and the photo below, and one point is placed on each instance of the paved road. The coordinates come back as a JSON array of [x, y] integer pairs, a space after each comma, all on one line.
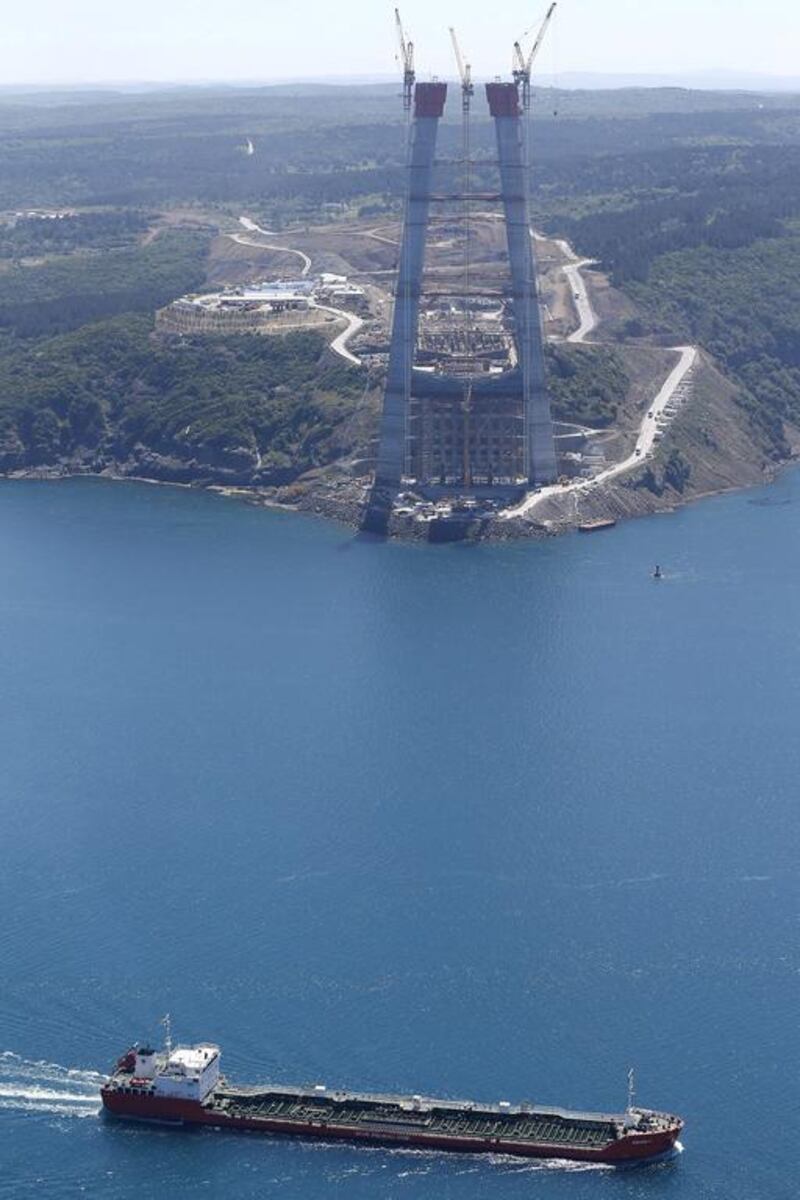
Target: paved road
[[649, 427], [587, 317], [339, 343], [242, 240], [354, 323], [580, 297], [642, 450], [246, 223], [380, 237]]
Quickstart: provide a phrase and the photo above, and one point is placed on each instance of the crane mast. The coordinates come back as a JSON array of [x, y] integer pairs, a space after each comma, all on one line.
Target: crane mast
[[464, 71], [407, 62], [523, 66]]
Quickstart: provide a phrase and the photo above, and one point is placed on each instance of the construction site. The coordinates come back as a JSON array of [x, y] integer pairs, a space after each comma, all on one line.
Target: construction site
[[452, 311], [466, 413], [267, 306]]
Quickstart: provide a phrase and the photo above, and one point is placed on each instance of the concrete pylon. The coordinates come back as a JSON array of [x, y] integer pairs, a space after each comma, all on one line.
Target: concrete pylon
[[505, 108], [429, 102]]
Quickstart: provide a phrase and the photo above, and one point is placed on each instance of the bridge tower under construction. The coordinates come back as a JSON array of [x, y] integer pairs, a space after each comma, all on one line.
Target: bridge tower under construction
[[458, 423]]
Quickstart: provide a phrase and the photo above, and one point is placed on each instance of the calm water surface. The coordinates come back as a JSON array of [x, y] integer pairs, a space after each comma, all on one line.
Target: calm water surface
[[492, 822]]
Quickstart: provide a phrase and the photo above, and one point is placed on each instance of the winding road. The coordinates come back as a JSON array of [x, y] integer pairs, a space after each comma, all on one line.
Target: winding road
[[580, 295], [654, 421], [241, 239], [642, 450], [339, 343], [354, 323], [587, 317]]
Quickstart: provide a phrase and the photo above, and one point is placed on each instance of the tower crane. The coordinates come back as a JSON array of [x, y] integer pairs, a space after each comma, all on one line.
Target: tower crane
[[407, 61], [465, 72], [523, 65]]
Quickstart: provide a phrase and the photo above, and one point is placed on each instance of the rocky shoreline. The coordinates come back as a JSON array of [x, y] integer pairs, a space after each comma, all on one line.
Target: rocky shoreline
[[711, 440], [344, 501], [707, 447]]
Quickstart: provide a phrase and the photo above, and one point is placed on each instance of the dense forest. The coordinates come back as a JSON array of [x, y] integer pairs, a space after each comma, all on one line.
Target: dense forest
[[587, 383], [720, 198], [255, 409], [68, 291], [334, 145], [35, 234]]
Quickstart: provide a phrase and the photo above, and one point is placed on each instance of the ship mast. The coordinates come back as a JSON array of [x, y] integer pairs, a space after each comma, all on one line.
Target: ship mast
[[631, 1089], [166, 1021]]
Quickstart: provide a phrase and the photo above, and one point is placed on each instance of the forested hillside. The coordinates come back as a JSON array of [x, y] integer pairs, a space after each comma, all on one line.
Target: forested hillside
[[712, 258], [315, 146], [67, 291], [58, 234], [253, 409], [587, 383]]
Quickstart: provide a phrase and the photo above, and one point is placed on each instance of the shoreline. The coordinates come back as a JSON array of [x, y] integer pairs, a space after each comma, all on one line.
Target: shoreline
[[674, 424], [495, 529]]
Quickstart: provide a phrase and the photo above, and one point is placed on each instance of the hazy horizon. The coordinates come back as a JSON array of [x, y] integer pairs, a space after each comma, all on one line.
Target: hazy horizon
[[187, 43], [710, 80]]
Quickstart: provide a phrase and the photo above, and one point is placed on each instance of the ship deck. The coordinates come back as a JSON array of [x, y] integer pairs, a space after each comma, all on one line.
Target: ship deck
[[438, 1118]]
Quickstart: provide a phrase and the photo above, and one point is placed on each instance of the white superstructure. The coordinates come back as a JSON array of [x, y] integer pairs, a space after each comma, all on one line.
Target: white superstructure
[[146, 1063], [188, 1072]]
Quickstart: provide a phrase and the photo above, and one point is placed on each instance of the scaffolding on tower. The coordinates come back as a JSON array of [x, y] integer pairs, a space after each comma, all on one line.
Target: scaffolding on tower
[[467, 92]]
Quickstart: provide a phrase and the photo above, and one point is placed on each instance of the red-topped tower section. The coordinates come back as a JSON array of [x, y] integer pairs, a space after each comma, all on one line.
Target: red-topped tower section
[[503, 100], [429, 99]]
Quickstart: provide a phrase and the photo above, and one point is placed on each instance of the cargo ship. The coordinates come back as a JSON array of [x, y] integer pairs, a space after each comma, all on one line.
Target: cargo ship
[[184, 1086]]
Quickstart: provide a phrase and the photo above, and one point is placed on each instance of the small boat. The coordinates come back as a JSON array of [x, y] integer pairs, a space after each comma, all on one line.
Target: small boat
[[657, 573], [596, 526]]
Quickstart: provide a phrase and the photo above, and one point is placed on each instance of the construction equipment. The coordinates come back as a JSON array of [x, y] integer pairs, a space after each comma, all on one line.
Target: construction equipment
[[523, 65], [467, 92], [407, 62], [465, 72]]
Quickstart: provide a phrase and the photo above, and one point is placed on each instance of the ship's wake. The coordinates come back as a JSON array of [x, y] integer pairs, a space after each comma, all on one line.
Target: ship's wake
[[412, 1161], [509, 1163], [44, 1087], [516, 1166]]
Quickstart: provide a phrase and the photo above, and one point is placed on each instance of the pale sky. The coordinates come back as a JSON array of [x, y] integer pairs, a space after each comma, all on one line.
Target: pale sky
[[70, 41]]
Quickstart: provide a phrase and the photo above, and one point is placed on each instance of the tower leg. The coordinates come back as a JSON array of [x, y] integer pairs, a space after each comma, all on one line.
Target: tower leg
[[540, 455], [429, 100]]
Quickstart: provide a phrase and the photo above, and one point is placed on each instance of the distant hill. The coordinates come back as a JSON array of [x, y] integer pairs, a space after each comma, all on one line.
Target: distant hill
[[715, 81]]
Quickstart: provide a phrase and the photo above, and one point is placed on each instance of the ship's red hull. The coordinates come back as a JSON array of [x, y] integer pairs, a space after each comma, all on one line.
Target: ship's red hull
[[631, 1148]]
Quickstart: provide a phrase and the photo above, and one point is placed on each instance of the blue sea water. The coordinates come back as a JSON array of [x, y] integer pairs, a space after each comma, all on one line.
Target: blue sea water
[[494, 822]]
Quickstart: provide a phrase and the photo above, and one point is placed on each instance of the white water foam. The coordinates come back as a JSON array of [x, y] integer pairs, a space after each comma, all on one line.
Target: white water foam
[[45, 1087], [516, 1166], [509, 1163], [461, 1163]]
